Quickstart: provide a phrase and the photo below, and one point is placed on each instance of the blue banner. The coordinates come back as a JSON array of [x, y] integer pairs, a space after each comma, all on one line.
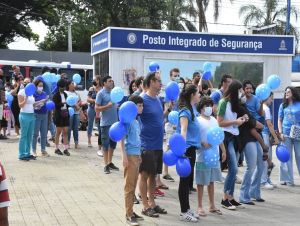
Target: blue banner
[[138, 39], [99, 42]]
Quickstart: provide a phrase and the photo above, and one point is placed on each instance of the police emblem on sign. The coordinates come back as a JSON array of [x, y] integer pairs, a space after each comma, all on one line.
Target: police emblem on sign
[[282, 45], [131, 38]]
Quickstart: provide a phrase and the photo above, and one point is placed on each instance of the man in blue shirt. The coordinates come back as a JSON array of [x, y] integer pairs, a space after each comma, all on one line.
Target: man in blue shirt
[[109, 117], [152, 132]]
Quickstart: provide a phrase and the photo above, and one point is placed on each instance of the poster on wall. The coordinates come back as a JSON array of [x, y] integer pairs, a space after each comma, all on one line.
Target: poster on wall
[[128, 76]]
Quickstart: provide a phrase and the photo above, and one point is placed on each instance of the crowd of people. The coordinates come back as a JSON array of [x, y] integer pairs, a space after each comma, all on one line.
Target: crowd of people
[[245, 120]]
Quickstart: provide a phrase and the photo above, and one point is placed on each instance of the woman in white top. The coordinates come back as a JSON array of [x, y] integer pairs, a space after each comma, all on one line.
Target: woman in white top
[[27, 121], [74, 119]]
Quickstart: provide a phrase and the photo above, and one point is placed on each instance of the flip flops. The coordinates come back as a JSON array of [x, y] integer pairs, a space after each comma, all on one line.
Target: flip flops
[[216, 211]]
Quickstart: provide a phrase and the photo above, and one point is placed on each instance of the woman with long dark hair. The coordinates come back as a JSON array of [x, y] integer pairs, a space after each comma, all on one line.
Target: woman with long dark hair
[[229, 122], [288, 122], [188, 127]]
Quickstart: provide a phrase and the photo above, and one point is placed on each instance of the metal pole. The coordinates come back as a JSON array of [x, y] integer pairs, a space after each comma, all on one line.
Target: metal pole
[[288, 15], [69, 33]]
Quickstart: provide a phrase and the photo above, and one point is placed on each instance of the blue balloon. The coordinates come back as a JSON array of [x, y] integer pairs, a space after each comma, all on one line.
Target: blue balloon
[[282, 153], [206, 75], [9, 97], [50, 105], [169, 158], [153, 67], [215, 96], [40, 78], [128, 112], [71, 101], [116, 95], [172, 91], [71, 111], [207, 66], [262, 92], [77, 78], [215, 136], [211, 157], [47, 77], [57, 77], [30, 89], [273, 81], [177, 144], [117, 131], [183, 167], [173, 117]]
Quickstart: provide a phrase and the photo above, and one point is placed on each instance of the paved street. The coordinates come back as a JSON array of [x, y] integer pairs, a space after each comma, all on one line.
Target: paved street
[[62, 190]]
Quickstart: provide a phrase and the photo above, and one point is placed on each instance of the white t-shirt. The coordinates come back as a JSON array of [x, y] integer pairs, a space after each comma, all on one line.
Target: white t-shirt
[[224, 110], [28, 107], [267, 112]]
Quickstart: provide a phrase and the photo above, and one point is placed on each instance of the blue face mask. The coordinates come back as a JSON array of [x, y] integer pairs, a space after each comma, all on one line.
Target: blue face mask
[[207, 111]]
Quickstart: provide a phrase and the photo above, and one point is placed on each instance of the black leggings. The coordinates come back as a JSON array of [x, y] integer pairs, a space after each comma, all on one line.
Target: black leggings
[[186, 182]]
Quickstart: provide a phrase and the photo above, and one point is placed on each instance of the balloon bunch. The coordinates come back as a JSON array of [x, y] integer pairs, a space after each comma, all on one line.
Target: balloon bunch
[[127, 113], [207, 68], [174, 156], [215, 137], [263, 90]]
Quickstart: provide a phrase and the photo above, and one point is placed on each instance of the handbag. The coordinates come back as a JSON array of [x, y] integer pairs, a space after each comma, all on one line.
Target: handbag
[[295, 132]]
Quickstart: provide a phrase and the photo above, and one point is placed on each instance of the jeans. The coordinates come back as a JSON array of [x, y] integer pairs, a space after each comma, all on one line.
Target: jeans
[[264, 178], [184, 183], [27, 126], [131, 173], [286, 169], [232, 169], [74, 123], [41, 126], [51, 126], [250, 186], [91, 117]]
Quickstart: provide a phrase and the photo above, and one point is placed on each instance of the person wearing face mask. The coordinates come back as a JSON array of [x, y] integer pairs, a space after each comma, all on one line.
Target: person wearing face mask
[[41, 118], [91, 98], [206, 176]]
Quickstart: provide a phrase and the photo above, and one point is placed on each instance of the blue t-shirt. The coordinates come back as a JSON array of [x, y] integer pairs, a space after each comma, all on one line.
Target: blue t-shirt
[[132, 139], [109, 116], [40, 96], [253, 107], [193, 129], [152, 123], [289, 116]]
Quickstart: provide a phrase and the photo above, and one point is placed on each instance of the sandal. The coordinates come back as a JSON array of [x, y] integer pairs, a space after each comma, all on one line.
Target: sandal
[[162, 186], [201, 213], [216, 211], [160, 210], [149, 212]]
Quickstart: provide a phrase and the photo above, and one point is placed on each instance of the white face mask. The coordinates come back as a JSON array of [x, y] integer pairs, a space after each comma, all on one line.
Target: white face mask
[[243, 99], [22, 86], [207, 111], [40, 89], [181, 85]]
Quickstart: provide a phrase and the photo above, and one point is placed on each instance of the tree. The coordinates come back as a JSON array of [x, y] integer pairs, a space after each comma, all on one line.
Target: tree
[[16, 15], [269, 14], [200, 7]]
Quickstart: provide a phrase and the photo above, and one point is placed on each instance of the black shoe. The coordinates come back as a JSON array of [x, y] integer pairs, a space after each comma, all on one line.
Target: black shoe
[[113, 167], [259, 200], [139, 218], [193, 189], [31, 157], [168, 178], [132, 221], [236, 204], [47, 144], [66, 152], [58, 152], [106, 170], [135, 200], [26, 159], [227, 205], [249, 203]]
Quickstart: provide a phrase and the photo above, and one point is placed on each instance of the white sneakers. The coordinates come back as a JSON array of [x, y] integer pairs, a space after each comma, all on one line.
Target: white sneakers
[[188, 217], [268, 186]]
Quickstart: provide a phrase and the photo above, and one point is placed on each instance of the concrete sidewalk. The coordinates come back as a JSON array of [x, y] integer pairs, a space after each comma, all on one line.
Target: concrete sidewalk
[[61, 190]]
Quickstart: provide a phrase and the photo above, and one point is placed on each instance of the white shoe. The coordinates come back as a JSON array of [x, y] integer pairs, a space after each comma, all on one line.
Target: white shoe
[[268, 186], [187, 217], [193, 213], [99, 153]]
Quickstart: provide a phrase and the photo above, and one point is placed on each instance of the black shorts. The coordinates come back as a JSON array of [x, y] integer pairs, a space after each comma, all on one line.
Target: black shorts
[[152, 161]]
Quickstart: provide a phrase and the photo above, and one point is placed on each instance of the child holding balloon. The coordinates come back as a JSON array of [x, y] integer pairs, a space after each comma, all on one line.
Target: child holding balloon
[[41, 118], [207, 173]]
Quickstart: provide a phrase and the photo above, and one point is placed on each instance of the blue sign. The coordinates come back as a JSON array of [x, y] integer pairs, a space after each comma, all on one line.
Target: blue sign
[[99, 42], [145, 40]]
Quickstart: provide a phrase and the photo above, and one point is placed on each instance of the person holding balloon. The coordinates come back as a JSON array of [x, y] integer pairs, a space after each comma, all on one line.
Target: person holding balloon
[[289, 129], [74, 119], [208, 172], [61, 117], [189, 128], [27, 120], [228, 120], [105, 103], [41, 118]]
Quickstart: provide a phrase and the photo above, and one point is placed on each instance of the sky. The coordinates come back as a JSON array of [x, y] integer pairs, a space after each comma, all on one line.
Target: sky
[[228, 22]]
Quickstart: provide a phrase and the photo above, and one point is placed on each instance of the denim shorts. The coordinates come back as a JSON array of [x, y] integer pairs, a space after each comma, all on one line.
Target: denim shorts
[[106, 141]]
